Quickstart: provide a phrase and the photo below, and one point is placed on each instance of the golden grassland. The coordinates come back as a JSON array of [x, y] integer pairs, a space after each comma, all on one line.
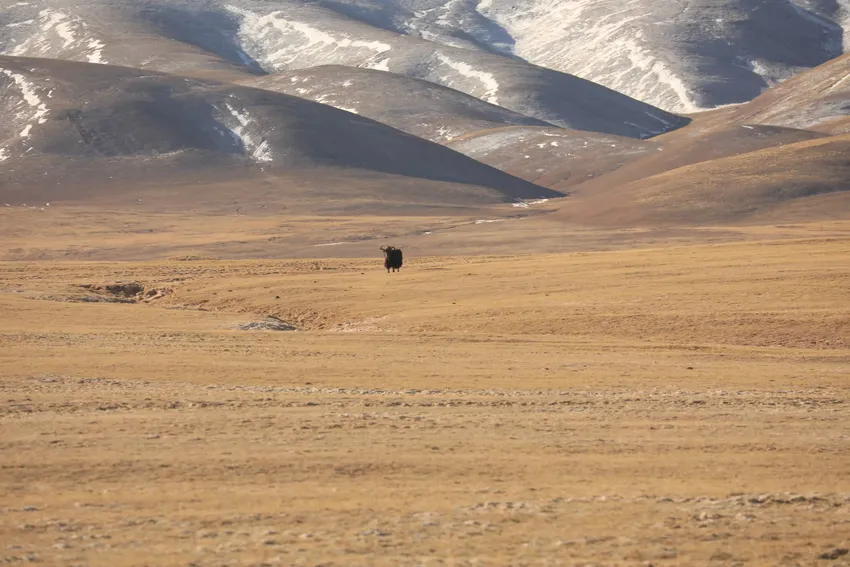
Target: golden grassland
[[150, 232], [677, 405]]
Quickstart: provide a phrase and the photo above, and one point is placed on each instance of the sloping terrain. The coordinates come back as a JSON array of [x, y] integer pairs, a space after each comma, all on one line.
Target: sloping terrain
[[414, 106], [816, 100], [300, 36], [552, 157], [159, 36], [691, 176], [801, 181], [680, 56], [589, 162], [448, 73], [289, 35], [703, 142], [101, 120]]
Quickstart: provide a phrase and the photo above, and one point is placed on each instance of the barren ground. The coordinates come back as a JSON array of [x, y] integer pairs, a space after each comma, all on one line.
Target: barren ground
[[678, 405]]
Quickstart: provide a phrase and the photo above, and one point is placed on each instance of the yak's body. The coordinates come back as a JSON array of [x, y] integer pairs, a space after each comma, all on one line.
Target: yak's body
[[392, 258]]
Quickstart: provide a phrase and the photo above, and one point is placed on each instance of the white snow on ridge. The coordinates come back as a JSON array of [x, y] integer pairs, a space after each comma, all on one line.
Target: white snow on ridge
[[257, 150], [839, 83], [37, 110], [20, 24], [59, 33], [640, 47], [525, 203], [382, 65], [96, 55], [445, 133], [598, 40], [487, 79], [656, 74], [603, 45], [484, 6], [256, 29], [4, 155], [63, 28]]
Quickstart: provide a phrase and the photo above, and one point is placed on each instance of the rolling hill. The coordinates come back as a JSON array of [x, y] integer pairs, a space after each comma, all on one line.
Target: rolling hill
[[680, 56], [336, 104], [553, 157], [414, 106], [799, 181], [244, 38], [816, 100], [80, 124]]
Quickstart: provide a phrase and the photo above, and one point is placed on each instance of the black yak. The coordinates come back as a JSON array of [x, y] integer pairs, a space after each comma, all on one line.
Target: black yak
[[392, 258]]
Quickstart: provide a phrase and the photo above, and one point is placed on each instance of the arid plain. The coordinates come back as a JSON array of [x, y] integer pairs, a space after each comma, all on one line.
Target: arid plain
[[621, 335], [683, 404]]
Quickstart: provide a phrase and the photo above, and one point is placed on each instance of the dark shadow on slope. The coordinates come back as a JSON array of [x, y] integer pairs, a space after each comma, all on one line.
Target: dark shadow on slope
[[487, 32], [786, 35], [115, 112], [794, 35], [154, 123], [489, 36], [212, 31], [382, 16]]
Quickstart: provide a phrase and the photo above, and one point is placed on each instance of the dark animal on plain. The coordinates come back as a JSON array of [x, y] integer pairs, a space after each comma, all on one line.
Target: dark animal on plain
[[392, 258]]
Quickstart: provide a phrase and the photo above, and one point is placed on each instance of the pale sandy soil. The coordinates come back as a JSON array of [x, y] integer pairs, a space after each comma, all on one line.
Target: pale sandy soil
[[667, 406]]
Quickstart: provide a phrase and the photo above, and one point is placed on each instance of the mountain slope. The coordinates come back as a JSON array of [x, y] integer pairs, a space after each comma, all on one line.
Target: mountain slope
[[680, 56], [552, 157], [102, 120], [296, 36], [159, 36], [414, 106], [812, 100], [802, 181], [245, 37]]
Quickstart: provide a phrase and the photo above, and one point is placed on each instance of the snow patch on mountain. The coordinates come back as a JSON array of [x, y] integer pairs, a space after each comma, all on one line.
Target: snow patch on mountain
[[34, 111], [245, 133], [656, 51], [382, 65], [266, 32], [613, 48], [57, 32], [95, 54], [491, 85]]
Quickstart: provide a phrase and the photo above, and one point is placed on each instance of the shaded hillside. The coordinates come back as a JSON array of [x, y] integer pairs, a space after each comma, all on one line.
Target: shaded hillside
[[695, 144], [680, 56], [818, 100], [553, 157], [152, 35], [414, 106], [68, 117], [243, 38]]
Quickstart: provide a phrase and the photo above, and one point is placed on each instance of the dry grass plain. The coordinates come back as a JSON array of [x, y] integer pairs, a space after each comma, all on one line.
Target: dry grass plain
[[679, 405]]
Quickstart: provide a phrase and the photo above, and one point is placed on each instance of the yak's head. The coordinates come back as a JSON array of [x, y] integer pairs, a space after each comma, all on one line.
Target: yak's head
[[386, 249]]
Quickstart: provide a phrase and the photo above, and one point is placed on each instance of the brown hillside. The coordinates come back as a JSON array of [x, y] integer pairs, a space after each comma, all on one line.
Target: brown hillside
[[813, 100], [804, 181], [80, 129]]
